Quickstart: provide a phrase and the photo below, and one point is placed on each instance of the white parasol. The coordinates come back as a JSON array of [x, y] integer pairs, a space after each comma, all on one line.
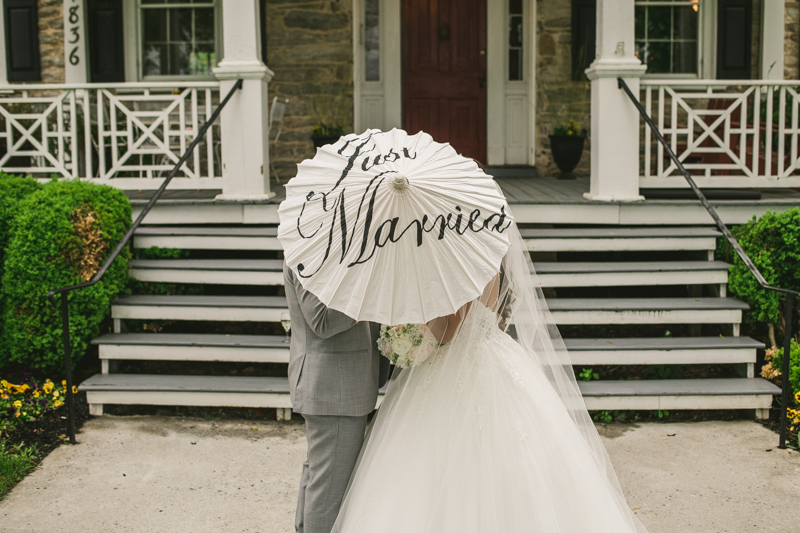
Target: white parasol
[[393, 228]]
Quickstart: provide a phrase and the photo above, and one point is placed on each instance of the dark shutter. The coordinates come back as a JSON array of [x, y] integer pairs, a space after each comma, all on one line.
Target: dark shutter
[[584, 30], [22, 40], [734, 22], [106, 52]]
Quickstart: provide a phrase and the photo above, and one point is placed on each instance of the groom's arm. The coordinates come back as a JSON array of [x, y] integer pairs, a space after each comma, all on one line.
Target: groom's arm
[[324, 322]]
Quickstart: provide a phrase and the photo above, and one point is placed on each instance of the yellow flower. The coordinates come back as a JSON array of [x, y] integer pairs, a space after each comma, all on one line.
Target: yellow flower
[[48, 387], [18, 404], [17, 414], [36, 394], [58, 403], [64, 383], [797, 397], [74, 389], [55, 394], [569, 132]]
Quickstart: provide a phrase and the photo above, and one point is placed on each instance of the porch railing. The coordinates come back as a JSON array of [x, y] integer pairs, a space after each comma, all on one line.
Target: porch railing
[[789, 294], [725, 133], [131, 133]]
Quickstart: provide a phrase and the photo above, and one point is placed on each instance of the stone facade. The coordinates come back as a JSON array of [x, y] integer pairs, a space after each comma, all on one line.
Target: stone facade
[[791, 40], [51, 40], [558, 99], [310, 49]]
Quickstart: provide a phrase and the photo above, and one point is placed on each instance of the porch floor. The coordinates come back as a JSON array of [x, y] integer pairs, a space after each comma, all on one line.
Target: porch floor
[[537, 200]]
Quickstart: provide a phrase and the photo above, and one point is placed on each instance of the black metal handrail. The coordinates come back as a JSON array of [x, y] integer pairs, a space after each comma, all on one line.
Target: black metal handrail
[[790, 294], [120, 246]]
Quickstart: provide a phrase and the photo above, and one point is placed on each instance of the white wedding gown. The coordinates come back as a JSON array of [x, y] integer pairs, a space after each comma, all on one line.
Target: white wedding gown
[[476, 439]]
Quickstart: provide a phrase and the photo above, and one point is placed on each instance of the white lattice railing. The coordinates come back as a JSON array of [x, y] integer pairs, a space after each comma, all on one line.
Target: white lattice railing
[[127, 134], [726, 133]]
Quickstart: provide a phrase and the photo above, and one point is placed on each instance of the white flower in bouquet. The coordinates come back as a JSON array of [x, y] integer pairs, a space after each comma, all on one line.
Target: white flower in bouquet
[[406, 345]]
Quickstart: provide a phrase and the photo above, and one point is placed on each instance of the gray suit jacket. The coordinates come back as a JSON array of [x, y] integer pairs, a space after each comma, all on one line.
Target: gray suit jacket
[[335, 367]]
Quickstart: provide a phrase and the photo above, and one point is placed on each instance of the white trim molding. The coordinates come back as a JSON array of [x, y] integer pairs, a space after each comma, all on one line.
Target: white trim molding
[[378, 104], [772, 41], [76, 66]]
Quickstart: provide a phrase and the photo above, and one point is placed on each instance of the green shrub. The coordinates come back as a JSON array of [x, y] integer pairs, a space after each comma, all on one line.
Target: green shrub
[[794, 365], [773, 243], [62, 234], [13, 189]]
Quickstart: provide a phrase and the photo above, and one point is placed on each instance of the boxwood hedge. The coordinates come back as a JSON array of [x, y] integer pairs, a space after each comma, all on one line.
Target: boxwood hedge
[[61, 235]]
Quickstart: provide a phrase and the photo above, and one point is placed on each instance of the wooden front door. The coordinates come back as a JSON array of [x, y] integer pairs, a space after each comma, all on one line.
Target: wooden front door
[[444, 72]]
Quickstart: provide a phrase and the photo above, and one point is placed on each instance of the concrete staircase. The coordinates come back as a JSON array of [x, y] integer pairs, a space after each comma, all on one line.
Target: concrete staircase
[[700, 272]]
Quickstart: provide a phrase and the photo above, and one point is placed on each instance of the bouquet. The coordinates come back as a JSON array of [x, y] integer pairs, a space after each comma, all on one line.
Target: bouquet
[[406, 345]]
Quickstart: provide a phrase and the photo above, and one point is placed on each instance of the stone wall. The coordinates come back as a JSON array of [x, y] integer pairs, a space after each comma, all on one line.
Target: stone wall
[[556, 94], [791, 40], [310, 49], [51, 40]]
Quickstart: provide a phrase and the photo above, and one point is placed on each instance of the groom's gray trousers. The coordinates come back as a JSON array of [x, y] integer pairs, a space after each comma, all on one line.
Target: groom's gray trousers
[[335, 370], [333, 446]]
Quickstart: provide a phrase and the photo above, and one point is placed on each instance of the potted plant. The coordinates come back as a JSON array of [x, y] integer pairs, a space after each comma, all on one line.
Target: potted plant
[[569, 104], [331, 111], [323, 134], [566, 145]]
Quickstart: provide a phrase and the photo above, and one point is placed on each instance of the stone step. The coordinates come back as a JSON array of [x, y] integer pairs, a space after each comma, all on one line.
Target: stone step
[[273, 349], [208, 238], [559, 274], [537, 240], [193, 347], [273, 392], [200, 307], [620, 239], [617, 274], [565, 311], [667, 394], [576, 311], [663, 350]]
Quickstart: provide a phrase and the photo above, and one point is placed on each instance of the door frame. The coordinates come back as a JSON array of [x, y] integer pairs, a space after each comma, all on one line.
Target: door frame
[[379, 103]]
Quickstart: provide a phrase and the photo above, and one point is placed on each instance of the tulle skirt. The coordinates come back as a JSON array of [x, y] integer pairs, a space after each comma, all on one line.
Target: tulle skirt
[[476, 440]]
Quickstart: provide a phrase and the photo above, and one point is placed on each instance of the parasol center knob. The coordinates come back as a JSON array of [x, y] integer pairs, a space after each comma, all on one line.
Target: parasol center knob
[[399, 182]]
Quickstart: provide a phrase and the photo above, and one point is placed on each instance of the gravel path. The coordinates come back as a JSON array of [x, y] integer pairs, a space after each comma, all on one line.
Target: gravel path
[[162, 474]]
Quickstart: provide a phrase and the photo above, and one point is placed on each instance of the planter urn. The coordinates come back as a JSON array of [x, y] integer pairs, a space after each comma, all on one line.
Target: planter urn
[[567, 151], [319, 142]]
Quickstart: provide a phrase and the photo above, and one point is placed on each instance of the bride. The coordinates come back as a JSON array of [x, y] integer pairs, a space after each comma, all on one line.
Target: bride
[[490, 434]]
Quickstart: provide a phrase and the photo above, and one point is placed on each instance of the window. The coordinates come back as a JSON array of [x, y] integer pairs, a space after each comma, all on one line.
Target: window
[[667, 35], [584, 36], [515, 40], [178, 37], [372, 40]]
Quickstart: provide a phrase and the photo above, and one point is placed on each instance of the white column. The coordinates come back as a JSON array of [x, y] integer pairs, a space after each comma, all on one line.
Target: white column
[[772, 22], [615, 120], [244, 120], [76, 67]]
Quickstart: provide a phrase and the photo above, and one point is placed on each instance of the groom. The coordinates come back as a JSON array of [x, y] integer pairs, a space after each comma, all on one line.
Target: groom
[[335, 370]]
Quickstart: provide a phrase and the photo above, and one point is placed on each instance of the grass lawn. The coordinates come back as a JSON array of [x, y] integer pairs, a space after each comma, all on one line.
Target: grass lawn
[[15, 463]]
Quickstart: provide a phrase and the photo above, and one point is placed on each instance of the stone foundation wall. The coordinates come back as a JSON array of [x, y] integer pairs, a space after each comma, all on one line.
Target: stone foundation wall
[[791, 40], [554, 88], [51, 40], [310, 49]]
